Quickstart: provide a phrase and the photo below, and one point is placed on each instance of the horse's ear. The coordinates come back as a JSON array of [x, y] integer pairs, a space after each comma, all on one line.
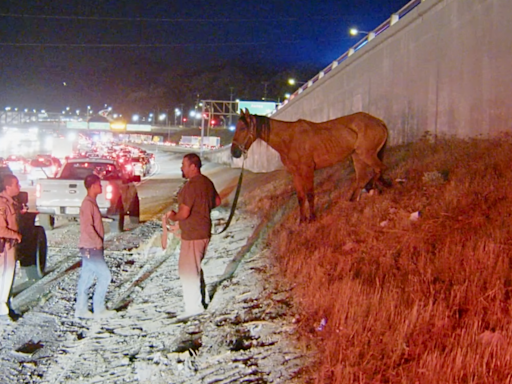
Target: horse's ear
[[247, 113]]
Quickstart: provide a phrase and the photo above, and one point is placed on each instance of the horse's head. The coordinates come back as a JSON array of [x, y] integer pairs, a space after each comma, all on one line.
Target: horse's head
[[245, 134]]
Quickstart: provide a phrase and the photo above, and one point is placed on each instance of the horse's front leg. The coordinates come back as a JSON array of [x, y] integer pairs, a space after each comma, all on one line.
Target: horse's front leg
[[310, 195], [299, 188], [304, 185]]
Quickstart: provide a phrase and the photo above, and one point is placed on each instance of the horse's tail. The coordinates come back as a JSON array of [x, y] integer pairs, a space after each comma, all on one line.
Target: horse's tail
[[380, 154]]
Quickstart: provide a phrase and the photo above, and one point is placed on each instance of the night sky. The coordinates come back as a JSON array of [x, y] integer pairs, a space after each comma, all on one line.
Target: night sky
[[44, 44]]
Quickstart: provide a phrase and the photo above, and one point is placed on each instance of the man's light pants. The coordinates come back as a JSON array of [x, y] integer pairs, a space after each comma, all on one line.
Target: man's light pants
[[191, 275], [7, 266], [93, 266]]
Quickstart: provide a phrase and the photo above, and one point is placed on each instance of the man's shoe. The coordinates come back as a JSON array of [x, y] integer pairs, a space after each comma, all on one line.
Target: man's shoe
[[186, 317], [190, 314], [83, 315], [105, 314], [15, 316]]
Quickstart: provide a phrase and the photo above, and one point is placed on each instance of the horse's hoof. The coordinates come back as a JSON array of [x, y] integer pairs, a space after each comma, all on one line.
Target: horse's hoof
[[307, 220]]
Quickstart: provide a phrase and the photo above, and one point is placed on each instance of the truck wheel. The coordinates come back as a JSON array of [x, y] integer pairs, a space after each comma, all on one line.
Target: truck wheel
[[134, 210], [117, 225], [46, 221], [41, 250]]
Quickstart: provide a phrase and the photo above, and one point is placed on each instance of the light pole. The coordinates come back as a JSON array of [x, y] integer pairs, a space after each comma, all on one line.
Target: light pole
[[355, 32], [265, 84], [230, 104], [202, 129], [293, 82], [177, 112], [162, 117]]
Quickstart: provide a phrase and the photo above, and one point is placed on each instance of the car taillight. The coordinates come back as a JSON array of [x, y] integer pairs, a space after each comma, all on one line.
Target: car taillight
[[38, 190], [109, 192]]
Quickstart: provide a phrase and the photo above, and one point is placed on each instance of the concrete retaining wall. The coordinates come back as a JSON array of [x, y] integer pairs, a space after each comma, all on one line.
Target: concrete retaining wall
[[260, 158], [443, 68]]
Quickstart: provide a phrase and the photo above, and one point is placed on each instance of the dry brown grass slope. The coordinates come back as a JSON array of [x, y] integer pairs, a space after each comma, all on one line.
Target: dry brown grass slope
[[405, 301]]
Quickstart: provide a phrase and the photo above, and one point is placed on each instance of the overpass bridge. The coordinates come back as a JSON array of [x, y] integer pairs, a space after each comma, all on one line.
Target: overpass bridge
[[63, 127]]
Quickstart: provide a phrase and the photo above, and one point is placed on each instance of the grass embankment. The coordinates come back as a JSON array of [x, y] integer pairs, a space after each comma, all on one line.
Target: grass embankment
[[406, 301]]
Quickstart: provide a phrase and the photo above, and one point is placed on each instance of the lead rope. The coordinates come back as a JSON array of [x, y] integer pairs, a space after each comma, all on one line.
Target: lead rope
[[235, 200]]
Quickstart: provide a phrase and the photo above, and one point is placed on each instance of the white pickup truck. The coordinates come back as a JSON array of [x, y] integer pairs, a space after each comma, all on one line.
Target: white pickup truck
[[63, 195]]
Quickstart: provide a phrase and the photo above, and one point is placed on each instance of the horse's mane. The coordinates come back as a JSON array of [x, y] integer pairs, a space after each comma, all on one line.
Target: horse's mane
[[262, 126]]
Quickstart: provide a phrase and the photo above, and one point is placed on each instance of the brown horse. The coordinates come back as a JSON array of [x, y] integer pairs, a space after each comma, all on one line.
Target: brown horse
[[305, 146]]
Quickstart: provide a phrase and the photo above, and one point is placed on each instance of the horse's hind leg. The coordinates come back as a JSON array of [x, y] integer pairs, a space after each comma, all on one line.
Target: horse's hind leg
[[362, 177], [373, 161]]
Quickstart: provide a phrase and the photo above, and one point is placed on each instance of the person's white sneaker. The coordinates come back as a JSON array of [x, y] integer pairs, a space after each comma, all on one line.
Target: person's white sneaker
[[83, 315], [188, 315], [104, 314]]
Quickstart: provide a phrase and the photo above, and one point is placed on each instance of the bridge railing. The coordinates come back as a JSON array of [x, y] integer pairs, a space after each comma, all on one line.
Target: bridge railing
[[395, 17]]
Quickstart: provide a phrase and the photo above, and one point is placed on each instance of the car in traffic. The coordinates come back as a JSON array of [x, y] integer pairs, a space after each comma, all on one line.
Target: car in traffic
[[140, 166], [17, 164], [63, 195], [42, 168]]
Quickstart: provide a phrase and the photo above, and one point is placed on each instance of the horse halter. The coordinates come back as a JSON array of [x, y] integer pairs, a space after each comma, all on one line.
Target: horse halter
[[250, 135]]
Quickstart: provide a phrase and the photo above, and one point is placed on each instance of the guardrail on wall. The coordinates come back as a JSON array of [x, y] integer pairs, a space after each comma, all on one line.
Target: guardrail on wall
[[395, 17]]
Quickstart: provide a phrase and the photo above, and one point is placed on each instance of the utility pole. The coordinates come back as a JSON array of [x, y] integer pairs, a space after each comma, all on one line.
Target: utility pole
[[265, 83], [202, 131], [230, 105]]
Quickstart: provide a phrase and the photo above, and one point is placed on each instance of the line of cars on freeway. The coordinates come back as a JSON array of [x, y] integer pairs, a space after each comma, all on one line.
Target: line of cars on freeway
[[40, 167], [133, 160]]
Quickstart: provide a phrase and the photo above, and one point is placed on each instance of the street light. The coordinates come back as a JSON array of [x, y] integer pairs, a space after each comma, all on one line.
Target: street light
[[177, 113], [163, 117], [293, 82], [355, 32]]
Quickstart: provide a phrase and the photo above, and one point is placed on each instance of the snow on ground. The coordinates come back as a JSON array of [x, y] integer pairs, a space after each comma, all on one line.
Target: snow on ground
[[245, 335]]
